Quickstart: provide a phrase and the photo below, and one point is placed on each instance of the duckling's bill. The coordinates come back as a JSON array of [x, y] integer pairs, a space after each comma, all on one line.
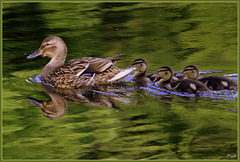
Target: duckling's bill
[[156, 75], [180, 74]]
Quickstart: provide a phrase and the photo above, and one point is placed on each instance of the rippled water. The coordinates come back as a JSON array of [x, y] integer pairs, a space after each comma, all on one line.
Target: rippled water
[[127, 120]]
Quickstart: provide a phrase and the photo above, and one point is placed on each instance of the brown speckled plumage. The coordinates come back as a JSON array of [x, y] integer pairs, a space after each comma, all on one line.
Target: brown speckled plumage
[[86, 71]]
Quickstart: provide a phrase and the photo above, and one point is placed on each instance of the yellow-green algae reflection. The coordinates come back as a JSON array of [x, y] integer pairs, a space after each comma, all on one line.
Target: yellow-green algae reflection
[[140, 121]]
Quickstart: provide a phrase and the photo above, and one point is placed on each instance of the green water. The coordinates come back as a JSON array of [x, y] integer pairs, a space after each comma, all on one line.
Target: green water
[[126, 121]]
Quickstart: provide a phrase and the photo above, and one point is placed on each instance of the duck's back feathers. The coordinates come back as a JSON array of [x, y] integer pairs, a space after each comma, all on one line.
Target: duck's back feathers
[[111, 75], [96, 65], [74, 67], [189, 85], [86, 71]]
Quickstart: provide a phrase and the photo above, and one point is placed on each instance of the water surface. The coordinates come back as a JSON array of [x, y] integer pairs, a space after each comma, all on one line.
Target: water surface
[[122, 121]]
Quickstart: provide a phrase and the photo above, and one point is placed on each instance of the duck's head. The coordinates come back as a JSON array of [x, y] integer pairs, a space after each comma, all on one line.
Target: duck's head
[[53, 47], [165, 72], [52, 109], [191, 71], [140, 66]]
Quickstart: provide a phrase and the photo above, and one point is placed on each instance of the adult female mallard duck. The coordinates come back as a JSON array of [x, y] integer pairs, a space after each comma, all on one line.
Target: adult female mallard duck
[[213, 82], [184, 85], [86, 71]]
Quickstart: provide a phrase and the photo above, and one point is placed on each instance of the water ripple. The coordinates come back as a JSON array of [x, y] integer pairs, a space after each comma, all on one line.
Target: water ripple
[[37, 79], [221, 95], [216, 96]]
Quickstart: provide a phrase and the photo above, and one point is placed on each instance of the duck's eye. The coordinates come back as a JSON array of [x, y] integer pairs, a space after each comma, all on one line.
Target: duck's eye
[[166, 73]]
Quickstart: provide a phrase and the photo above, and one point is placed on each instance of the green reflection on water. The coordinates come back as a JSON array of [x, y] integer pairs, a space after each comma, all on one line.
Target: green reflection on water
[[148, 127]]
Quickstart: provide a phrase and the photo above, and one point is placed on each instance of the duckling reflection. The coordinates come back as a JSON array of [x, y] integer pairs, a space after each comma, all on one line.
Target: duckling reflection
[[57, 105]]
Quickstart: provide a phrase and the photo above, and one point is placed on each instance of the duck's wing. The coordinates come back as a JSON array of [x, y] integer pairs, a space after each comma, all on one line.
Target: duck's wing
[[98, 65], [86, 64], [73, 67]]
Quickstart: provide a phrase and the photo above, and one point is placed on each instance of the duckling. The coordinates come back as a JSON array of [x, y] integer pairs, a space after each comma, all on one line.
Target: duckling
[[185, 85], [213, 82], [140, 75], [86, 71]]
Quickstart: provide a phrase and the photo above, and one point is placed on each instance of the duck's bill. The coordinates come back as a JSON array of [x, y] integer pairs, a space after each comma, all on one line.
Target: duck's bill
[[154, 75], [35, 54], [35, 101]]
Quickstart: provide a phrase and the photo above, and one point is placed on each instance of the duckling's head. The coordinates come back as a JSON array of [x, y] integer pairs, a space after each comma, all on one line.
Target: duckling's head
[[53, 47], [140, 65], [165, 72], [191, 71]]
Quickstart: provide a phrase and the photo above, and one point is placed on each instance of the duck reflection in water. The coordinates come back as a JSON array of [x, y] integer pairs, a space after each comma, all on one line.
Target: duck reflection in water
[[57, 105]]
